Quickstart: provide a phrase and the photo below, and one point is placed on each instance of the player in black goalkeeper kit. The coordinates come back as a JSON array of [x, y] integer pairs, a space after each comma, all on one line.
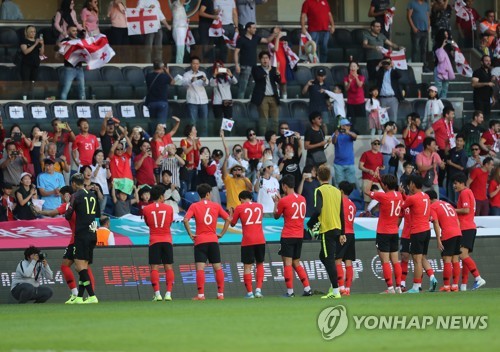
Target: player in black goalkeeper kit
[[85, 205]]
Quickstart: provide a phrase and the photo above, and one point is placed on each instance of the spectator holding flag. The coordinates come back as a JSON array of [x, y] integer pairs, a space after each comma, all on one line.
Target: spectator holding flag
[[467, 18], [379, 9], [228, 16], [71, 71], [154, 39]]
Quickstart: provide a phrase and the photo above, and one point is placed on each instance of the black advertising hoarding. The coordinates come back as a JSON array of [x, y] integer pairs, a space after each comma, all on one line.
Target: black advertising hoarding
[[122, 273]]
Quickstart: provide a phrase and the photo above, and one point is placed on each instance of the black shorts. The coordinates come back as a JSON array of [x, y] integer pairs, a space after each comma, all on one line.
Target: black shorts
[[347, 251], [253, 254], [419, 242], [290, 247], [207, 251], [69, 252], [405, 245], [161, 253], [451, 247], [387, 243], [468, 239], [83, 248]]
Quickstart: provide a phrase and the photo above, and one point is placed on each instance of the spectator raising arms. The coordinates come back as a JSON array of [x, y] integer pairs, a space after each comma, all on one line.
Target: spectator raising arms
[[222, 101], [252, 152], [191, 146], [354, 85]]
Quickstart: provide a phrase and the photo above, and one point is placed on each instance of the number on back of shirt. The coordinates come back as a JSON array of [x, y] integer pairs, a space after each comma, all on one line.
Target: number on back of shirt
[[90, 203], [448, 209], [163, 214], [208, 218], [299, 210], [254, 216], [350, 213], [395, 208]]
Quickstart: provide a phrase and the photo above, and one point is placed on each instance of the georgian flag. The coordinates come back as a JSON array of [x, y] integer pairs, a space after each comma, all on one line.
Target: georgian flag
[[142, 21], [388, 18], [463, 66], [95, 51], [216, 29], [461, 10], [311, 57], [189, 40], [397, 57], [231, 43]]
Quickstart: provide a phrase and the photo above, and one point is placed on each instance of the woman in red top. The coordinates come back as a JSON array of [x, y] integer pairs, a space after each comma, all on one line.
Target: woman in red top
[[494, 192], [206, 173], [252, 151], [22, 143], [354, 84], [191, 146]]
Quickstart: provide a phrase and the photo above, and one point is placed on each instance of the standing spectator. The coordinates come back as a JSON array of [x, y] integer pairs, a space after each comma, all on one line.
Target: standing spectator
[[196, 96], [489, 141], [157, 94], [372, 107], [120, 156], [343, 164], [12, 163], [65, 18], [478, 184], [475, 160], [122, 202], [418, 15], [245, 55], [445, 136], [222, 101], [413, 136], [290, 163], [483, 83], [179, 29], [24, 197], [267, 187], [494, 192], [307, 188], [378, 10], [90, 17], [440, 17], [49, 183], [388, 146], [247, 11], [31, 49], [286, 137], [22, 143], [229, 18], [272, 147], [235, 182], [354, 85], [315, 141], [72, 72], [36, 137], [265, 92], [154, 39], [456, 163], [472, 130], [467, 27], [370, 163], [118, 33], [101, 175], [373, 43], [443, 71], [172, 163], [206, 173], [62, 135], [108, 132], [433, 108], [10, 11], [207, 15], [84, 145], [320, 24], [430, 160], [191, 146], [284, 57], [161, 138], [318, 99], [253, 149], [145, 165], [171, 195], [388, 86], [488, 27]]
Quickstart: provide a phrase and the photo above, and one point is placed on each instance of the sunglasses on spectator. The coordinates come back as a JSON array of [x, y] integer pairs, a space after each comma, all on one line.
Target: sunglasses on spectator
[[251, 134], [237, 150], [237, 169], [119, 149], [376, 143]]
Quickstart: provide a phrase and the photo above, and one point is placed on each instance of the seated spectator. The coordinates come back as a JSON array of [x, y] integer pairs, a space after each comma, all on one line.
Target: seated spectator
[[101, 175], [24, 197], [290, 164], [307, 188], [12, 163], [252, 152], [476, 159], [191, 146], [222, 101], [171, 195], [267, 187], [145, 165], [90, 17], [144, 198], [48, 150], [206, 173], [494, 192], [7, 203], [122, 202], [49, 184]]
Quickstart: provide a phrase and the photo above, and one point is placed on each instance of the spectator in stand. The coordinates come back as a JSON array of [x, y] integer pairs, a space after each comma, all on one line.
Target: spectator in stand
[[32, 49], [236, 157], [101, 175], [118, 33], [488, 27], [443, 131], [343, 141], [171, 195], [307, 188], [191, 146], [440, 17], [245, 55], [62, 135], [494, 192], [315, 141], [267, 187], [229, 17], [372, 107], [280, 53], [290, 163], [456, 162], [137, 135], [10, 11], [388, 146], [489, 141], [371, 163], [206, 173], [378, 10], [373, 43], [145, 165], [22, 143], [154, 39], [222, 101], [478, 184], [90, 17], [252, 152], [84, 145], [443, 55], [172, 163], [207, 15], [271, 143], [180, 26], [473, 130], [108, 132], [157, 94], [476, 159], [265, 92], [120, 156], [267, 155], [196, 96], [49, 150], [287, 137], [354, 85], [24, 197], [320, 24], [388, 86], [318, 99], [122, 202], [433, 108], [65, 18], [427, 160], [413, 136], [49, 183], [418, 15], [144, 198], [247, 11], [12, 163], [7, 203], [162, 138], [467, 27], [71, 71], [483, 83], [36, 137]]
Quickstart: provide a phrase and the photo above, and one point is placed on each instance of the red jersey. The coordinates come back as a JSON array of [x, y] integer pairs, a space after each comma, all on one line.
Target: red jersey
[[349, 215], [420, 212], [119, 165], [293, 208], [443, 132], [61, 210], [193, 157], [466, 200], [494, 201], [86, 146], [205, 214], [254, 151], [371, 161], [159, 218], [414, 138], [479, 183], [157, 145], [406, 226], [490, 140], [250, 214], [448, 220], [390, 208], [317, 15], [5, 203], [145, 174]]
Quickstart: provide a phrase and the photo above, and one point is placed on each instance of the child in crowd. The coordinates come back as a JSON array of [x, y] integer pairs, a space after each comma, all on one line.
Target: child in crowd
[[433, 108], [337, 99], [144, 196], [404, 180], [372, 107], [7, 203], [122, 202]]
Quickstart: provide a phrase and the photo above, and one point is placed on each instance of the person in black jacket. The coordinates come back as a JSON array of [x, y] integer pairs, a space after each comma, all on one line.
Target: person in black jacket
[[265, 92], [388, 86]]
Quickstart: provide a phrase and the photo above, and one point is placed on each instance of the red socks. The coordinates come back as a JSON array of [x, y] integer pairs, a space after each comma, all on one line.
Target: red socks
[[447, 272], [247, 279], [68, 276], [91, 276], [429, 272], [465, 273], [219, 277], [288, 273], [155, 280], [386, 268], [259, 271], [456, 273], [302, 275], [417, 280], [404, 270], [340, 275], [170, 279], [471, 265], [397, 273], [200, 281], [349, 274]]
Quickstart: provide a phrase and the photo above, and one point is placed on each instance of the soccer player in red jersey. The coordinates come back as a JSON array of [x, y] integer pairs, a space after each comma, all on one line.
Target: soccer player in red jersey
[[448, 235], [419, 204], [387, 241], [159, 217], [253, 244], [293, 208], [404, 248], [466, 210], [206, 240], [347, 251]]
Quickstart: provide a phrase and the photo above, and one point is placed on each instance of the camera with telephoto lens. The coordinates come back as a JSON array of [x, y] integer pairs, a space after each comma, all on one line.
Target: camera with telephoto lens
[[42, 256]]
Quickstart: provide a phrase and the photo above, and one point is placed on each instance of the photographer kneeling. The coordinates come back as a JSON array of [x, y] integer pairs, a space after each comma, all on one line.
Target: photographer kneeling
[[25, 285]]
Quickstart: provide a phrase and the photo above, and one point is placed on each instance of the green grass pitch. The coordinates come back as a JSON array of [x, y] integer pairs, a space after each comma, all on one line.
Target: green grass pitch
[[236, 324]]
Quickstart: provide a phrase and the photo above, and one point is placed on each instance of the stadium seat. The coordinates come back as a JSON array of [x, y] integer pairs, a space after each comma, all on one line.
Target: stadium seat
[[335, 55], [101, 108], [294, 36], [83, 109], [302, 75], [178, 109], [7, 73], [98, 90], [176, 70], [284, 113], [111, 74], [91, 75], [61, 110], [9, 37], [299, 112], [48, 35], [143, 111], [127, 110], [343, 37], [190, 198], [15, 111], [181, 92], [39, 111], [338, 74], [135, 77], [419, 106], [293, 91], [404, 109], [147, 70]]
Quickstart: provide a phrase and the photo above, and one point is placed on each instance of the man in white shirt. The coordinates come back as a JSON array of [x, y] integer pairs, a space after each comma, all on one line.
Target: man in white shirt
[[267, 187], [156, 38], [196, 95], [229, 18]]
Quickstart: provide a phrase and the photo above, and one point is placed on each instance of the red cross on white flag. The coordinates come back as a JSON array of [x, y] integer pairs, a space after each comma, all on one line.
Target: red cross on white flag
[[142, 21]]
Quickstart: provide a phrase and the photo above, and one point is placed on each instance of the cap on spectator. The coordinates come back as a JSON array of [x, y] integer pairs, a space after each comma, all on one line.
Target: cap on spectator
[[433, 88], [345, 122], [25, 174], [110, 122], [267, 163], [321, 72], [7, 185], [236, 165], [47, 161]]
